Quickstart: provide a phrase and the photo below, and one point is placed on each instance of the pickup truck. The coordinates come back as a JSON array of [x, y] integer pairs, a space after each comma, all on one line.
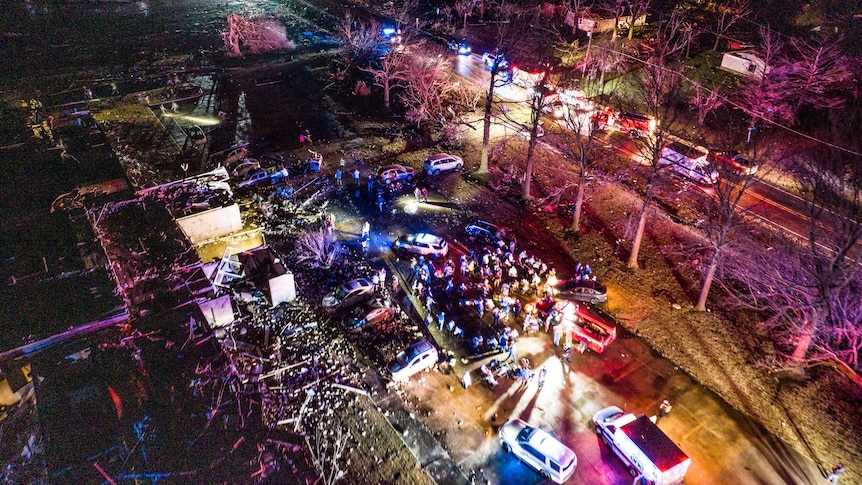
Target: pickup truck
[[642, 446]]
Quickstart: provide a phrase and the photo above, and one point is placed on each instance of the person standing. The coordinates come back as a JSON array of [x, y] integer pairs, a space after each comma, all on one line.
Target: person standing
[[567, 355], [425, 194], [380, 203], [341, 164], [467, 379], [558, 333], [664, 408], [837, 471], [366, 230], [417, 192], [542, 373], [512, 354], [356, 176], [338, 177]]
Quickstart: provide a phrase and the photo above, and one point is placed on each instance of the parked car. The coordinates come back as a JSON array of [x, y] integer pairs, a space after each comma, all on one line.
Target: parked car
[[492, 58], [442, 162], [733, 160], [349, 294], [585, 291], [461, 47], [367, 315], [254, 177], [487, 233], [422, 243], [396, 173], [240, 168], [258, 177], [689, 161], [414, 359], [538, 449]]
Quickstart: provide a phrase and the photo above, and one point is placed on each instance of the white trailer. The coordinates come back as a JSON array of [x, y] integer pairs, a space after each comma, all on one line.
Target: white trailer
[[744, 64], [642, 446]]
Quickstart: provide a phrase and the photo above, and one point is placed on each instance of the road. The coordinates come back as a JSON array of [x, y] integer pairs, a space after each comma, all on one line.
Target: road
[[765, 199]]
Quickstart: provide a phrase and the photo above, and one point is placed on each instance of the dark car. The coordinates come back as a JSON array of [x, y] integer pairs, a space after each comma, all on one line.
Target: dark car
[[487, 233], [396, 173], [492, 58], [585, 291], [367, 315], [460, 46], [733, 160]]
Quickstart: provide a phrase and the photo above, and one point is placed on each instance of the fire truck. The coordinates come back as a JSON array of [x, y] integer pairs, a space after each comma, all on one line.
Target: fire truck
[[635, 124], [591, 329], [527, 78]]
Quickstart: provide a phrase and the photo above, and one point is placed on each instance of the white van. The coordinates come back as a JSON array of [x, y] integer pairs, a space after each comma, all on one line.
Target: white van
[[690, 162], [538, 449]]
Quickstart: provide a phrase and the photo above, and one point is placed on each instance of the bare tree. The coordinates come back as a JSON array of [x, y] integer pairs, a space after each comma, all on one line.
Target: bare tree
[[815, 73], [326, 449], [506, 34], [464, 8], [803, 284], [427, 90], [579, 142], [658, 91], [360, 41], [723, 214], [608, 57], [727, 16], [391, 70], [768, 95], [317, 248], [706, 100], [539, 102], [637, 8]]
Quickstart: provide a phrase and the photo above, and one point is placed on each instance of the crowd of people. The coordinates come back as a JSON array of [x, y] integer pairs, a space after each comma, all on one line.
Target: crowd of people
[[479, 297]]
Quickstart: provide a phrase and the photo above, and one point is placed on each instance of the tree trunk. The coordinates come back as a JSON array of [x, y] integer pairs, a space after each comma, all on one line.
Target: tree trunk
[[486, 134], [707, 281], [636, 243], [386, 98], [528, 174], [465, 22], [804, 342], [579, 200]]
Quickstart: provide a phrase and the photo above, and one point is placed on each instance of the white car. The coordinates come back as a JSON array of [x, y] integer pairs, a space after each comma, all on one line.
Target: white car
[[349, 294], [442, 162], [414, 359], [243, 167], [422, 243], [538, 449]]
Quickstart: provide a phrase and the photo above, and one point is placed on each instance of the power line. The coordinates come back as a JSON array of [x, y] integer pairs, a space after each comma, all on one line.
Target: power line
[[735, 104]]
